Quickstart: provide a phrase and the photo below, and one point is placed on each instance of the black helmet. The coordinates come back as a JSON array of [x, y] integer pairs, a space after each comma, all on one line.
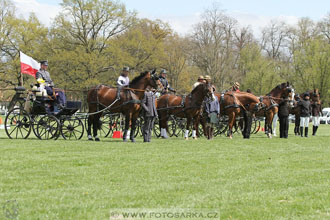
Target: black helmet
[[125, 68], [44, 62]]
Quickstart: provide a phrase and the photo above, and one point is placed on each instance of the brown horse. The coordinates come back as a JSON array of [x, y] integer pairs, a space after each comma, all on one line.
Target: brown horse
[[105, 98], [271, 101], [184, 107], [314, 98], [233, 104]]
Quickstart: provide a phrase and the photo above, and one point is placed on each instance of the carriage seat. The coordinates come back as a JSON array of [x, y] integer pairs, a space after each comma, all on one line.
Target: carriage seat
[[41, 95]]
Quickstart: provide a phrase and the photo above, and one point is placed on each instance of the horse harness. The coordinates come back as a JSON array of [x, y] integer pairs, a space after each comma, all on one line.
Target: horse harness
[[272, 102], [128, 94]]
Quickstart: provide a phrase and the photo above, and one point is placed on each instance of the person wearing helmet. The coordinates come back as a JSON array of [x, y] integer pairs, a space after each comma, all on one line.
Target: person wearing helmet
[[235, 87], [164, 82], [305, 112], [207, 79], [122, 81], [199, 81], [43, 76]]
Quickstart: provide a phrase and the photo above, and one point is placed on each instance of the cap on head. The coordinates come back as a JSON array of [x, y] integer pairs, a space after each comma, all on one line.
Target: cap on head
[[306, 94], [126, 68], [207, 77], [163, 71], [236, 84], [201, 77], [44, 62]]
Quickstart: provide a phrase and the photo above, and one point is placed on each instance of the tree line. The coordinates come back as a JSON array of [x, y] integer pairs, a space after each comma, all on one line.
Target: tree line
[[90, 41]]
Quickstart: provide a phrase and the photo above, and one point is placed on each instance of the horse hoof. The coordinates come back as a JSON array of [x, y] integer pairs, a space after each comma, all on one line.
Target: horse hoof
[[186, 138], [230, 137], [90, 139], [270, 137], [125, 140], [195, 138], [164, 137], [97, 139], [133, 140]]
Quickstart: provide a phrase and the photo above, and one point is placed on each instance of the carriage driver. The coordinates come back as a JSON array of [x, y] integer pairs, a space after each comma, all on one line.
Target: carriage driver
[[163, 80], [44, 74], [122, 80]]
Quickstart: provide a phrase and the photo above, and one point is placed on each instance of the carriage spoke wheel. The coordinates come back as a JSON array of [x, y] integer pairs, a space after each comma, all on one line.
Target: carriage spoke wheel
[[139, 126], [18, 124], [104, 126], [171, 124], [34, 122], [48, 127], [72, 128]]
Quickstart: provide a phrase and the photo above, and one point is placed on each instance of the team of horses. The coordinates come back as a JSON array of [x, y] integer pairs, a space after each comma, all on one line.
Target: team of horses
[[103, 99]]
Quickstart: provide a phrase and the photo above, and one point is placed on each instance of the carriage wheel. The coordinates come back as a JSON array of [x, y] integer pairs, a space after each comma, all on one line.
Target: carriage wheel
[[254, 125], [34, 122], [48, 127], [72, 128], [222, 126], [138, 126], [257, 126], [105, 125], [18, 124], [171, 123], [156, 128]]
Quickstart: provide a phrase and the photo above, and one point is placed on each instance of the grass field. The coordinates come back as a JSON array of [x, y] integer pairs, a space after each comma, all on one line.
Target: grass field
[[258, 178]]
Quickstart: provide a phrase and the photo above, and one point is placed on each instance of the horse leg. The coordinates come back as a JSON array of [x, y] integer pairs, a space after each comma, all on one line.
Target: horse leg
[[89, 127], [269, 124], [195, 127], [187, 128], [163, 126], [96, 126], [231, 122], [127, 120], [133, 127]]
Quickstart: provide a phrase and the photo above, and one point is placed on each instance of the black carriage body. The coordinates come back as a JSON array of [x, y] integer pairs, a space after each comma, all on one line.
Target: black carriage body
[[45, 105]]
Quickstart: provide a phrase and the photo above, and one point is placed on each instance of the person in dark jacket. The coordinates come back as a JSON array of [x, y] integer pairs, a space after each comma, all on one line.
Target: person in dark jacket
[[283, 114], [44, 74], [316, 113], [164, 82], [211, 113], [148, 104], [305, 112]]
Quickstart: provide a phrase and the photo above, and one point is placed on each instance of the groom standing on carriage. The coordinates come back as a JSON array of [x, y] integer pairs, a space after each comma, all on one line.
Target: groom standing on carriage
[[122, 81]]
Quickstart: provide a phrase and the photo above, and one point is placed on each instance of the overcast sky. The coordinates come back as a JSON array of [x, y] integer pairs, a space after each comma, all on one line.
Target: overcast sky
[[182, 14]]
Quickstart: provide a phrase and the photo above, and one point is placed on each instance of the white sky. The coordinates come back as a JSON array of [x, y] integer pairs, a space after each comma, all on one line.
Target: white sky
[[182, 14]]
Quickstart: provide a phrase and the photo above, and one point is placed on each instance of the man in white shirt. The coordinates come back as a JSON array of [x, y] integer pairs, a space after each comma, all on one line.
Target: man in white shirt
[[122, 80]]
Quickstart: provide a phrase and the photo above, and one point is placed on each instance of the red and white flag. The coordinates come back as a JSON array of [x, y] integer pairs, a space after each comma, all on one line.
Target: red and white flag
[[29, 65]]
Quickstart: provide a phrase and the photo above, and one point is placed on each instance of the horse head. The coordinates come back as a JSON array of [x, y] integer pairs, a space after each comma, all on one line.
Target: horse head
[[154, 80], [285, 91], [209, 90]]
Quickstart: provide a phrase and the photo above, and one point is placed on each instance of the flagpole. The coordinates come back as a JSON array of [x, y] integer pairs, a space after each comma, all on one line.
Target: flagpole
[[21, 78]]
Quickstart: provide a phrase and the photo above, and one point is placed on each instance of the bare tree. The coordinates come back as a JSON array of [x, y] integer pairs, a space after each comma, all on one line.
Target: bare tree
[[274, 39], [212, 42]]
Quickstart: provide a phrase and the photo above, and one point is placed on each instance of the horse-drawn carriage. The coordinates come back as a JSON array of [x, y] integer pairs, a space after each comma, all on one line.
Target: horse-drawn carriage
[[41, 114]]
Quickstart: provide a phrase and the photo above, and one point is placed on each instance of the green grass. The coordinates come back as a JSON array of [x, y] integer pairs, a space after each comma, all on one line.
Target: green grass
[[258, 178]]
